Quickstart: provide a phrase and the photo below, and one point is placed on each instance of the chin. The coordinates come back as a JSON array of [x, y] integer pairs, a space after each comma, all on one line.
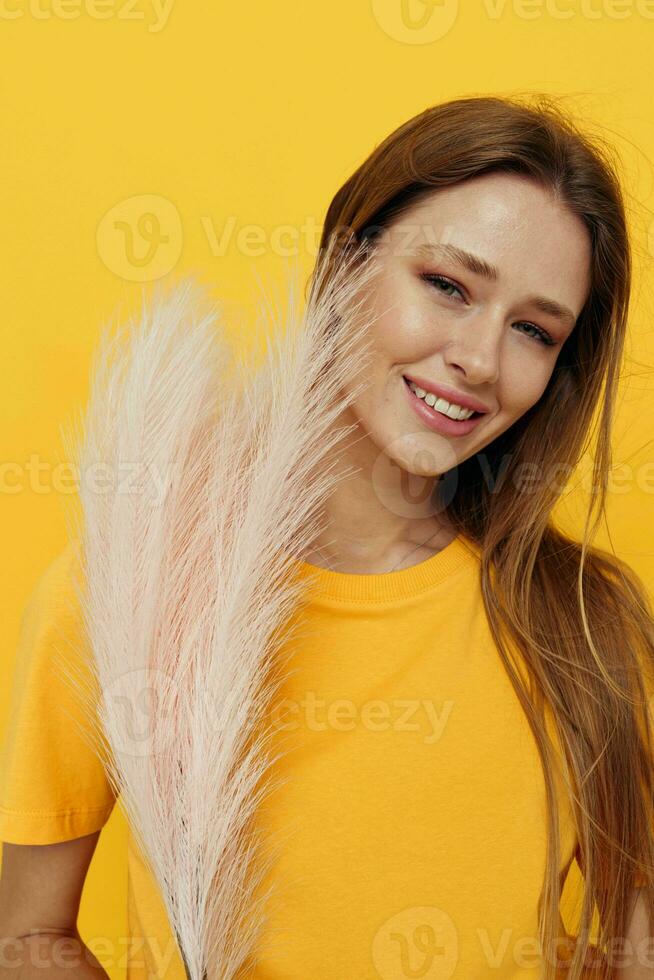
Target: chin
[[419, 461]]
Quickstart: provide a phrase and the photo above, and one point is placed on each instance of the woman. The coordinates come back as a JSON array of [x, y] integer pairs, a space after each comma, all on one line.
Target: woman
[[468, 713]]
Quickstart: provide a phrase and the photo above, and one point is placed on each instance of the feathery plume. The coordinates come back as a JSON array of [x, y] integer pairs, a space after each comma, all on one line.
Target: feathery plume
[[213, 473]]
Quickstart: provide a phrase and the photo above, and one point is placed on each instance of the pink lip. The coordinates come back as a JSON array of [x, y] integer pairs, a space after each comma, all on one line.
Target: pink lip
[[436, 420], [449, 394]]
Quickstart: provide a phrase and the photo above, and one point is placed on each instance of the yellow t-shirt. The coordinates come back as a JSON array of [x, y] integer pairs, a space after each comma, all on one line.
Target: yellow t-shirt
[[412, 811]]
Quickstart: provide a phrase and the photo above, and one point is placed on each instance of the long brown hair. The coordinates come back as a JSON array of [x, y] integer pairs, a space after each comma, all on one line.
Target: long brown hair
[[578, 616]]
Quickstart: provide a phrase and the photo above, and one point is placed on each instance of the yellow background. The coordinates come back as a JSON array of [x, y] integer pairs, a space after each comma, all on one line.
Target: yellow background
[[135, 135]]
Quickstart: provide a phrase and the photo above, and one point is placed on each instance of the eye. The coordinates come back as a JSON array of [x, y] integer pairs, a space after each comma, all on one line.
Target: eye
[[541, 335], [439, 281]]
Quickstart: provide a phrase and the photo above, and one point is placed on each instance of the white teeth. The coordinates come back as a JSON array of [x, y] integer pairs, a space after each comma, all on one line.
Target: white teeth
[[440, 405]]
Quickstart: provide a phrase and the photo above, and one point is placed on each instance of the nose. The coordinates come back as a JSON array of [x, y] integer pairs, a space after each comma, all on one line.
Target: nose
[[474, 349]]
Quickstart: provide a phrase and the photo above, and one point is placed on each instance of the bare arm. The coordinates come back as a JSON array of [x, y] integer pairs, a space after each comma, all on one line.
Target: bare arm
[[40, 892]]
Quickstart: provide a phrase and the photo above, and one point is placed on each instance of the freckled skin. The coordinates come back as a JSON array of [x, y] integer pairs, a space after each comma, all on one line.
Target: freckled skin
[[475, 340], [470, 343]]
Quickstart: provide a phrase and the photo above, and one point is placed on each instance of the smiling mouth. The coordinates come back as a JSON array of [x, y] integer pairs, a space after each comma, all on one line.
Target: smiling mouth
[[475, 415]]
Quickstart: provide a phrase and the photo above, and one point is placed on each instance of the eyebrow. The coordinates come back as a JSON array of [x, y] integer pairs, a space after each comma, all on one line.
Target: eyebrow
[[479, 267]]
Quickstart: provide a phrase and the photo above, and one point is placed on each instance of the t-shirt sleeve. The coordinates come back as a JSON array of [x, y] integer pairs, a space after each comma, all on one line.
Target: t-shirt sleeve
[[53, 781]]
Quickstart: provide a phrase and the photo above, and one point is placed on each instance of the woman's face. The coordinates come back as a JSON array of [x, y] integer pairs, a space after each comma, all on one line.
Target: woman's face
[[489, 327]]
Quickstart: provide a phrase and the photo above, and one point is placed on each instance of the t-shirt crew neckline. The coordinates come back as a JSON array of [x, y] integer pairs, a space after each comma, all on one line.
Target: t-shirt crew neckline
[[398, 584]]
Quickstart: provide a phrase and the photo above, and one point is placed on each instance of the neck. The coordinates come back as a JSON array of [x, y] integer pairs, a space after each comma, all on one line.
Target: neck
[[380, 518]]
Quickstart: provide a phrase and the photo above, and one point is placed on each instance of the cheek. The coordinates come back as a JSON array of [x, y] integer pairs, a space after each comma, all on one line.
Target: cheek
[[405, 329], [406, 336], [523, 381], [398, 338]]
